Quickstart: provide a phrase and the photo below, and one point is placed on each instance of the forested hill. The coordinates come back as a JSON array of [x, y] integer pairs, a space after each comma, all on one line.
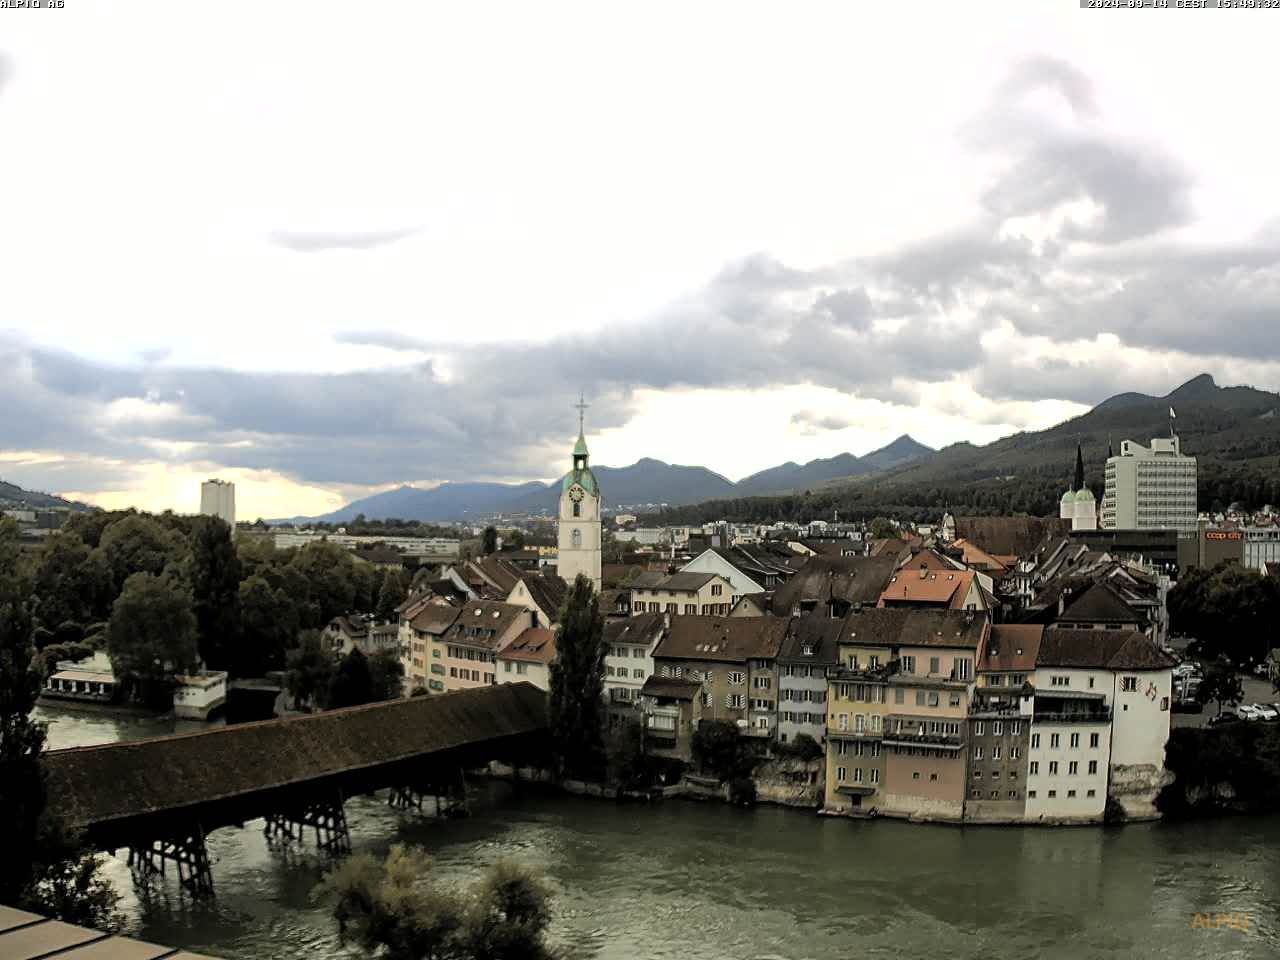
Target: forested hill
[[13, 497], [1234, 432]]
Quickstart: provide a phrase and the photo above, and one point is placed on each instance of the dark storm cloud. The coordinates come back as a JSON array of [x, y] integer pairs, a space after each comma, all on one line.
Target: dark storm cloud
[[311, 242]]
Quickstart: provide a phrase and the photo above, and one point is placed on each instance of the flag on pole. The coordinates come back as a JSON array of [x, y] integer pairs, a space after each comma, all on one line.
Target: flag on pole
[[1172, 415]]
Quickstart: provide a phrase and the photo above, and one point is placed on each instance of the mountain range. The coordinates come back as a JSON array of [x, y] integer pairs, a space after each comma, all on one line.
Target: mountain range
[[13, 497], [647, 482]]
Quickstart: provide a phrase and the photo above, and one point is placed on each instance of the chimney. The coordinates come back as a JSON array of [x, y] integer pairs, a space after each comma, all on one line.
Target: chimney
[[533, 619], [666, 620]]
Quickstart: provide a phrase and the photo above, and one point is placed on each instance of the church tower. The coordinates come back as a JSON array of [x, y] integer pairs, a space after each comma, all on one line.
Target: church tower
[[579, 524]]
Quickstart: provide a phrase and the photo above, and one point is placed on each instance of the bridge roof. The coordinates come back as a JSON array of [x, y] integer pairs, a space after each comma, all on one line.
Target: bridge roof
[[95, 785]]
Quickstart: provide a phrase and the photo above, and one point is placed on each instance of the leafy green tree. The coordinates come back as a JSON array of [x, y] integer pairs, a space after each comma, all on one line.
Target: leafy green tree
[[139, 544], [73, 582], [386, 675], [1220, 685], [42, 868], [352, 682], [395, 906], [214, 572], [883, 529], [624, 754], [577, 680], [269, 626], [310, 671], [717, 748], [490, 542], [326, 572], [1230, 609], [391, 594], [152, 636]]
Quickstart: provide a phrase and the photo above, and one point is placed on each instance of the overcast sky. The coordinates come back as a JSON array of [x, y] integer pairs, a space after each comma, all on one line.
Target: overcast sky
[[321, 249]]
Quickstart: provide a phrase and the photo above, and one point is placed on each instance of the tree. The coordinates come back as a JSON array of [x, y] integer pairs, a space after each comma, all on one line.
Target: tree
[[42, 867], [325, 572], [716, 748], [394, 905], [624, 754], [1221, 685], [1230, 609], [268, 627], [73, 582], [490, 540], [352, 682], [882, 529], [152, 636], [391, 594], [310, 671], [138, 544], [386, 674], [577, 680], [214, 572]]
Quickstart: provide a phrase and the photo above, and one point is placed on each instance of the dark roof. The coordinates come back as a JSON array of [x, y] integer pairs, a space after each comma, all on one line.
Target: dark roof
[[1099, 604], [548, 592], [1101, 649], [847, 579], [497, 571], [670, 688], [725, 639], [645, 628], [646, 580], [435, 618], [448, 589], [1009, 536], [1011, 646], [915, 627], [819, 634], [172, 772], [684, 582], [379, 553], [491, 616]]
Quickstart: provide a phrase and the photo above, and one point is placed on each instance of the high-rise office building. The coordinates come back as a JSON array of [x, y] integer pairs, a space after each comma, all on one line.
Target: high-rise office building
[[218, 499], [1150, 488]]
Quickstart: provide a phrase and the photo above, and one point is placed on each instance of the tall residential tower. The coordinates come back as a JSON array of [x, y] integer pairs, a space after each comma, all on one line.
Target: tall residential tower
[[1151, 488], [218, 499]]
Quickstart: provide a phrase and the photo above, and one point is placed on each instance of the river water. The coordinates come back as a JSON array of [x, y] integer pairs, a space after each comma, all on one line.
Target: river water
[[700, 881]]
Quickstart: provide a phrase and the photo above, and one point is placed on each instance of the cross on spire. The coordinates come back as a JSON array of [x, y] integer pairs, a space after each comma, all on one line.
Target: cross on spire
[[582, 409]]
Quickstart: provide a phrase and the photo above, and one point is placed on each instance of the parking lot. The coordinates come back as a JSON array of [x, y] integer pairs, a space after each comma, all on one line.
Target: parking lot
[[1255, 691]]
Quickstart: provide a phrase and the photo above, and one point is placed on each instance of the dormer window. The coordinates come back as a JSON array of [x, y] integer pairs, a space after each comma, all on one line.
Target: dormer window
[[807, 650]]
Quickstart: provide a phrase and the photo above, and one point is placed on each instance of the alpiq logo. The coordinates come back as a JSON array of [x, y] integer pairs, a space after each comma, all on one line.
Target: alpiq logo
[[1220, 921]]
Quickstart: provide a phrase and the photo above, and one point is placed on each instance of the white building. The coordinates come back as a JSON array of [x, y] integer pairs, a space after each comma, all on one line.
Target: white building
[[1150, 488], [198, 696], [218, 499], [628, 661], [1261, 545], [578, 530]]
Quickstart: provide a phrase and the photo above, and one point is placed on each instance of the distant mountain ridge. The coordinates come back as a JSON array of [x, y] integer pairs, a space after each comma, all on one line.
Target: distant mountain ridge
[[13, 497], [645, 482]]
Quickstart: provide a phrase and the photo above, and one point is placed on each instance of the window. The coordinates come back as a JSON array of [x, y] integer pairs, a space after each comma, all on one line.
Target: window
[[737, 678], [933, 776], [977, 753], [907, 664], [1013, 794], [1071, 793], [1128, 684], [875, 774], [637, 673], [1015, 728], [1052, 794], [1090, 793], [735, 701], [964, 669], [935, 664], [1034, 768], [873, 662], [842, 748], [690, 609], [995, 794], [919, 698], [576, 537], [577, 512], [637, 653], [977, 774], [995, 774], [638, 606], [1059, 681], [1015, 753], [857, 774], [933, 699], [1013, 774], [899, 695], [995, 680], [975, 794], [859, 724], [1053, 768], [843, 723], [507, 668], [875, 744], [1093, 767], [995, 753], [1091, 683], [915, 775], [1075, 741], [997, 728], [1093, 741], [762, 683], [842, 774], [1073, 768], [853, 661], [1054, 740], [717, 589], [1031, 794]]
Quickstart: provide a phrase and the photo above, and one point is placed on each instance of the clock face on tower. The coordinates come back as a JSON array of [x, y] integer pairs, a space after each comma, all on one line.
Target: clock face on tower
[[575, 493]]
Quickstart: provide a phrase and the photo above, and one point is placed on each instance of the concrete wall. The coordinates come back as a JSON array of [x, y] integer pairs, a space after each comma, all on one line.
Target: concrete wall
[[1141, 717], [1062, 805]]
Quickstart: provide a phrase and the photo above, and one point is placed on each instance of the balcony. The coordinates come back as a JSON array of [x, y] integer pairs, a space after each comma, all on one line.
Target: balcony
[[908, 732], [1101, 715]]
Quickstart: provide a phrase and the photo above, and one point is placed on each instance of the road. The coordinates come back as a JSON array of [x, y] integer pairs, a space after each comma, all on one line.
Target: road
[[1255, 691]]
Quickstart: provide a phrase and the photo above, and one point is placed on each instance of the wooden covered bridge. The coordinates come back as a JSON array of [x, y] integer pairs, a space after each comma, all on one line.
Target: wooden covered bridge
[[160, 797]]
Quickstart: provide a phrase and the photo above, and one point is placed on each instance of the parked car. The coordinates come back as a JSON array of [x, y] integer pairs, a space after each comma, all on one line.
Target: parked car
[[1247, 711], [1260, 670], [1267, 712], [1225, 717]]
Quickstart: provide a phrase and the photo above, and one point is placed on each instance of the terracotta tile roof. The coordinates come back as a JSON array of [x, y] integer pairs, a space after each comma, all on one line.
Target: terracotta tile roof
[[176, 772], [1017, 536], [847, 579], [670, 688], [926, 586], [1101, 649], [496, 572], [1011, 646], [535, 645], [915, 627], [725, 639], [972, 555]]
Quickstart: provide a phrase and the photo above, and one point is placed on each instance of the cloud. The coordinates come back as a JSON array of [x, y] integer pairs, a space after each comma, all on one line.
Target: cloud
[[6, 70], [811, 423], [312, 242]]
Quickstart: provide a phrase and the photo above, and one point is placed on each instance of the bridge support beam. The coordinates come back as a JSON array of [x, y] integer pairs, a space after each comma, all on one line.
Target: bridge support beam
[[324, 815], [187, 851], [448, 796]]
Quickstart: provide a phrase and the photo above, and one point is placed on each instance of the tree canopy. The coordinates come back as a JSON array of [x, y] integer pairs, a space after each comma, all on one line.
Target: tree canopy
[[1231, 610], [577, 681]]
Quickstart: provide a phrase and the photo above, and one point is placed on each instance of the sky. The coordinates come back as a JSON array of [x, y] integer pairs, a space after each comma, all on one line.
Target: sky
[[323, 249]]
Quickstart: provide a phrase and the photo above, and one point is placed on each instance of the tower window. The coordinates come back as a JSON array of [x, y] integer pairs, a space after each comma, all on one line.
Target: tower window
[[577, 509], [576, 537]]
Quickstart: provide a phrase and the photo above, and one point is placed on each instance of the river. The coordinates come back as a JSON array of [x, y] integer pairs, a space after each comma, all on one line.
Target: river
[[699, 881]]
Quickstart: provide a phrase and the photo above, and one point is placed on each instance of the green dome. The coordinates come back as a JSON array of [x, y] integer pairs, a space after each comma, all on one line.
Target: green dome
[[1068, 497], [1084, 496]]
